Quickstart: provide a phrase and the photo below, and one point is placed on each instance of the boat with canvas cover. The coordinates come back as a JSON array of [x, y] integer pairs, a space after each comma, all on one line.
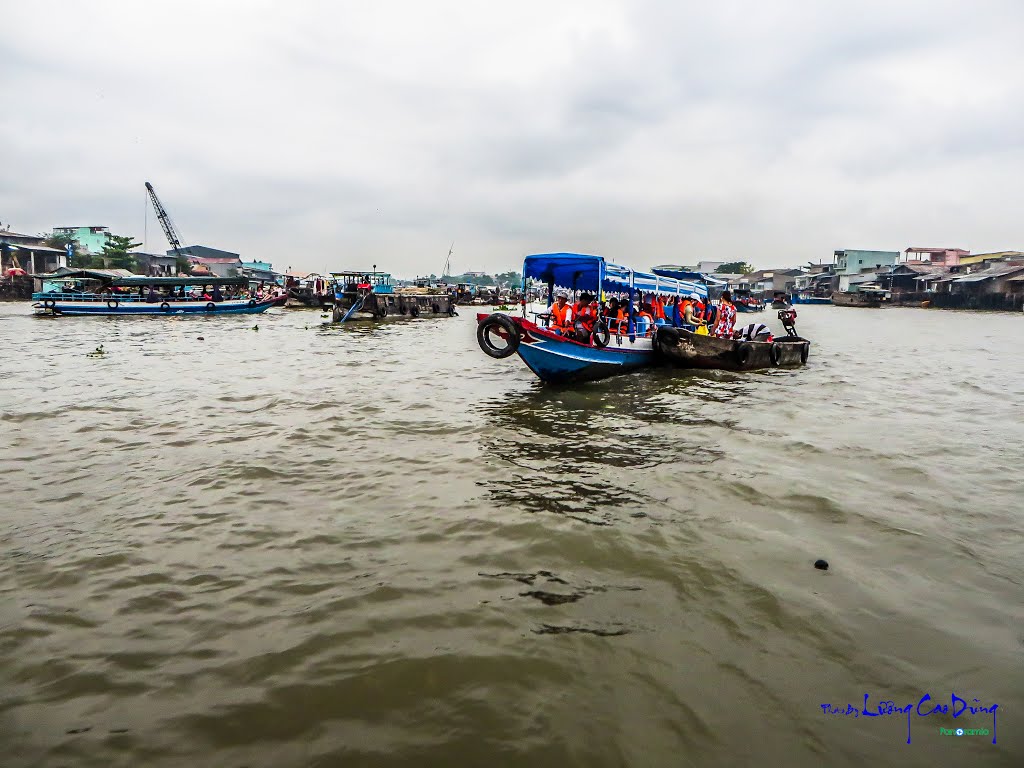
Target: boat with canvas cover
[[559, 358], [118, 292]]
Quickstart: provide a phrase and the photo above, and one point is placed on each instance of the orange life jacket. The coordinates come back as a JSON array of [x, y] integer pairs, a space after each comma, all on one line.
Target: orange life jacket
[[586, 314], [658, 307], [561, 315]]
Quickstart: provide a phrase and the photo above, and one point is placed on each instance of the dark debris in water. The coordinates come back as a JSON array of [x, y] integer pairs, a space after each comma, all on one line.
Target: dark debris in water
[[72, 731], [554, 598], [553, 629], [525, 578]]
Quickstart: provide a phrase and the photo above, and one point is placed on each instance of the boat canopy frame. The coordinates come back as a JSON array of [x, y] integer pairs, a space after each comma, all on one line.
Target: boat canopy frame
[[137, 281]]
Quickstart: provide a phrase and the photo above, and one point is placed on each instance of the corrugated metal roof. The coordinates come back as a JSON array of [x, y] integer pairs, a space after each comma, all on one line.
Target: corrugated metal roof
[[988, 274]]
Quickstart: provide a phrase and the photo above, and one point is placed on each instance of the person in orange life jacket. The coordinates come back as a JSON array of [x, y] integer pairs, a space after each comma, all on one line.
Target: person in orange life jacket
[[561, 314], [617, 318], [658, 310], [585, 317], [693, 312], [644, 320]]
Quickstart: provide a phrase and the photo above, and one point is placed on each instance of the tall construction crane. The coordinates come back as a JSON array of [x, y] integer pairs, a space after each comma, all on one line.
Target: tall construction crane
[[173, 236]]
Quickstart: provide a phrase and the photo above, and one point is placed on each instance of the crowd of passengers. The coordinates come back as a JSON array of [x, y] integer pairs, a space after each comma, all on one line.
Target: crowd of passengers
[[691, 312]]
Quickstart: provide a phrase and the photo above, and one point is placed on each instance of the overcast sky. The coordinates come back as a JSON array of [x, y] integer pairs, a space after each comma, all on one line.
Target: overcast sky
[[342, 134]]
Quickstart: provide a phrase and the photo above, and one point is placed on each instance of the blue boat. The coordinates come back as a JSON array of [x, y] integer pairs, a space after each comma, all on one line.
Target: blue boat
[[805, 298], [582, 356], [109, 292]]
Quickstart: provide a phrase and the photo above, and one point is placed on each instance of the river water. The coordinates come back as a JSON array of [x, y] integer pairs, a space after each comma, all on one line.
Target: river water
[[297, 545]]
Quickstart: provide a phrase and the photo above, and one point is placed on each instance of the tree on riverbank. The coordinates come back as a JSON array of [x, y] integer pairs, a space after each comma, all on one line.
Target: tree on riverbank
[[115, 253], [735, 268]]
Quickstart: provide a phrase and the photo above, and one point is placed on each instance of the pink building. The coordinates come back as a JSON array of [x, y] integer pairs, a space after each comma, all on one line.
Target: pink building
[[936, 257]]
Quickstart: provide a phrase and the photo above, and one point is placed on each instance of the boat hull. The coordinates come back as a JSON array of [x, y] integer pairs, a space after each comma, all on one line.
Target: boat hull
[[747, 308], [556, 359], [811, 300], [685, 349], [854, 299], [112, 307]]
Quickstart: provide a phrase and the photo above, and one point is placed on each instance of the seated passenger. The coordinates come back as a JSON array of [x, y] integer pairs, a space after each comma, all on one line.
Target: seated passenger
[[693, 312], [754, 332], [617, 320], [561, 314], [644, 320], [658, 310], [585, 313]]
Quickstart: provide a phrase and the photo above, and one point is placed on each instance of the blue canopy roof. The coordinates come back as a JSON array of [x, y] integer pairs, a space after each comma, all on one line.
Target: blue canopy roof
[[580, 272]]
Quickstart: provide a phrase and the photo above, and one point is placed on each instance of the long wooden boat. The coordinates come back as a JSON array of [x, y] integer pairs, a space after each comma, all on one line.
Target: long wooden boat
[[557, 358], [685, 349], [372, 296], [857, 299], [109, 293]]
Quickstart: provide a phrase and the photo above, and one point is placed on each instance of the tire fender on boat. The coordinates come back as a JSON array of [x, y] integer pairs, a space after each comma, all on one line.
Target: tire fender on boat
[[601, 335], [49, 303], [382, 310], [210, 306], [436, 308], [414, 310], [495, 322], [743, 353], [252, 302], [112, 304], [805, 350], [165, 307], [776, 353]]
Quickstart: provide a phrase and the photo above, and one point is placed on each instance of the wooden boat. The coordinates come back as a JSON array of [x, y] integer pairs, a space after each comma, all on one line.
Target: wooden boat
[[686, 349], [871, 299], [311, 292], [106, 292], [372, 296], [557, 358]]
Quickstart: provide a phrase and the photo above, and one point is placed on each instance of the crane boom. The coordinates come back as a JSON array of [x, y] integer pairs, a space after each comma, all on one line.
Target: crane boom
[[170, 231]]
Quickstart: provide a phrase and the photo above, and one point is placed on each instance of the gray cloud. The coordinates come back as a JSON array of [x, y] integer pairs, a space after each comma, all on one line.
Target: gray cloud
[[340, 134]]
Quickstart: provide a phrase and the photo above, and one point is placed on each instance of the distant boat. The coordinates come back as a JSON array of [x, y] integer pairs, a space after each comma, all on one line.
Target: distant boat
[[116, 292], [872, 299], [372, 296], [804, 298]]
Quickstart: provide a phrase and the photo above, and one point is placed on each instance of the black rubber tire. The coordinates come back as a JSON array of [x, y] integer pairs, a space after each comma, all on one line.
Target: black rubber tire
[[210, 306], [776, 353], [805, 350], [49, 303], [402, 310], [436, 308], [601, 335], [382, 310], [165, 307], [414, 310], [743, 354], [112, 304], [252, 302], [496, 321]]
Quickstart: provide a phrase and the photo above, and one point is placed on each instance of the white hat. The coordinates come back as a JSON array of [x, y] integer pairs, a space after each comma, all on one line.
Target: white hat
[[694, 295], [561, 294]]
